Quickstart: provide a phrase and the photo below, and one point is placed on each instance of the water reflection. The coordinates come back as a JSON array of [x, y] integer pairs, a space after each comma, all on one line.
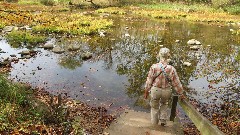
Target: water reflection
[[115, 76]]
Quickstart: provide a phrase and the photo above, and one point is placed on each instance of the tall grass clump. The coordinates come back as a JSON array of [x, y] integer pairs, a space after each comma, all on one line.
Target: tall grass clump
[[16, 107], [12, 93]]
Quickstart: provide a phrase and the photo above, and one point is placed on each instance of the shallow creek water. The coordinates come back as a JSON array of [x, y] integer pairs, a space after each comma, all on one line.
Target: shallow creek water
[[114, 77]]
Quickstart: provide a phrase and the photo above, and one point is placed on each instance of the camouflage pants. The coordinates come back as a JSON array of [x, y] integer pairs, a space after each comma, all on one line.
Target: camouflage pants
[[159, 104]]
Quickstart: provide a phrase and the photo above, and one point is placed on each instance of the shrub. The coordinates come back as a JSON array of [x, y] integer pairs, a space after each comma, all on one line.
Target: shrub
[[48, 2], [218, 3]]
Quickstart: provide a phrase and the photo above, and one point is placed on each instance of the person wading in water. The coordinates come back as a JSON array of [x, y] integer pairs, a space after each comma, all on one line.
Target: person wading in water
[[161, 77]]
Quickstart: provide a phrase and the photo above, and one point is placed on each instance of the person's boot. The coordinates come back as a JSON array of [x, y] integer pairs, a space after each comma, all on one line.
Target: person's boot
[[163, 122]]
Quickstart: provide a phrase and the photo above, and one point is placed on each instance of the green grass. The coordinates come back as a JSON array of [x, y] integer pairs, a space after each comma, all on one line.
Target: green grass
[[12, 93], [2, 25], [13, 97], [234, 9]]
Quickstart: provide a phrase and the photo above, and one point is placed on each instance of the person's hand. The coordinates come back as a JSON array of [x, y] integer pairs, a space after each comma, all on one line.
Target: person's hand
[[146, 94], [182, 97]]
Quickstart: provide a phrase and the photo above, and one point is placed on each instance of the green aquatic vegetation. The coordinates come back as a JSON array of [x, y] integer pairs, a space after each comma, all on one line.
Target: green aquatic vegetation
[[161, 14], [214, 17], [112, 10], [181, 7], [234, 9], [16, 38], [47, 29], [27, 2], [190, 15], [75, 24], [56, 22], [2, 25]]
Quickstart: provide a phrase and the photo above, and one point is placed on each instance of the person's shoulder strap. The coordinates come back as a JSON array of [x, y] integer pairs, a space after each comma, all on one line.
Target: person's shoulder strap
[[164, 72]]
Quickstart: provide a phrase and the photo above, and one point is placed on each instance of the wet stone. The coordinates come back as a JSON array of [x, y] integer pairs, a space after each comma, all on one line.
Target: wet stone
[[48, 46], [13, 55], [73, 47], [193, 42], [58, 50], [195, 47], [2, 52], [86, 55], [25, 52], [8, 28]]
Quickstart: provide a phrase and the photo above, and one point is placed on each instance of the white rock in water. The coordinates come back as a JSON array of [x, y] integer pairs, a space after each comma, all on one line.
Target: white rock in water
[[48, 46], [187, 64], [25, 52], [8, 28], [127, 35], [177, 41], [195, 47], [193, 42], [58, 50], [198, 43]]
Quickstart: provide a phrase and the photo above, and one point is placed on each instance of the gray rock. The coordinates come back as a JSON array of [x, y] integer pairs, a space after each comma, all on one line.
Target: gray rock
[[48, 46], [73, 47], [25, 52], [2, 52], [195, 47], [26, 27], [26, 57], [193, 42], [13, 55], [58, 50], [187, 64], [177, 41], [8, 28], [86, 55]]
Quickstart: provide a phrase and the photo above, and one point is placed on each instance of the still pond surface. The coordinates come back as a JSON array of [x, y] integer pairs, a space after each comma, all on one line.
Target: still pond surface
[[114, 77]]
